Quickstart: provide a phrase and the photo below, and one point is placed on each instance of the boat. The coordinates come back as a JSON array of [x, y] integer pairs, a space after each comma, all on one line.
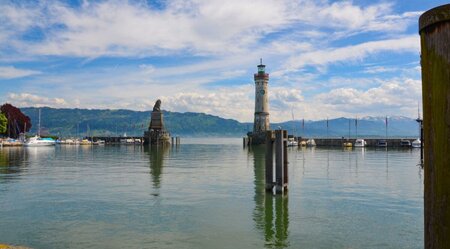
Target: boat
[[292, 142], [347, 144], [38, 141], [85, 142], [360, 142], [416, 143], [11, 142], [381, 143], [303, 143], [311, 142], [405, 143]]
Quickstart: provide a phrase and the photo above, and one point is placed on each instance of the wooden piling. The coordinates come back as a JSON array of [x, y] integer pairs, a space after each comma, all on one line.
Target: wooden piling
[[285, 160], [269, 161], [279, 160], [172, 138], [434, 29]]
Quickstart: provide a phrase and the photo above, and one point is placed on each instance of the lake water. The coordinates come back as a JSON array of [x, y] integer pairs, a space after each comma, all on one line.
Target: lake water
[[208, 193]]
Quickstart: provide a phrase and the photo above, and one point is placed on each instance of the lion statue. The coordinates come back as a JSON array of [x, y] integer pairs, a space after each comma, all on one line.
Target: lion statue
[[157, 106]]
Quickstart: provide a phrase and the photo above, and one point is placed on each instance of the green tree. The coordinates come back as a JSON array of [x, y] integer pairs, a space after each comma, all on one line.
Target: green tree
[[3, 123]]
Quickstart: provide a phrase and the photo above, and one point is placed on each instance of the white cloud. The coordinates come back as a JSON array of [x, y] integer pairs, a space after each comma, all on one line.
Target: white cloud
[[122, 28], [391, 97], [27, 99], [12, 72], [353, 53]]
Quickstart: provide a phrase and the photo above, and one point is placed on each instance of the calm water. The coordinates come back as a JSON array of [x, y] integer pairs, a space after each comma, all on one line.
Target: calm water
[[208, 194]]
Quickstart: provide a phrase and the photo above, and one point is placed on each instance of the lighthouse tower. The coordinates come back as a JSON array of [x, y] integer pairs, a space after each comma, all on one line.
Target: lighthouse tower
[[261, 123]]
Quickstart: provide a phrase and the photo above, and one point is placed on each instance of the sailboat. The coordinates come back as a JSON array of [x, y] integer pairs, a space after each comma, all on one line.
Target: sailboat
[[38, 141], [292, 141]]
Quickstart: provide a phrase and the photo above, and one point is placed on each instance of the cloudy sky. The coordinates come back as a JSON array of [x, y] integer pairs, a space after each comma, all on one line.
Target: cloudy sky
[[325, 58]]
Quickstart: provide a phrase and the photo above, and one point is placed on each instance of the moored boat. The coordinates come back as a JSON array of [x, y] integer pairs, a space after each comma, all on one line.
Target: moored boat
[[405, 143], [311, 142], [292, 142], [38, 141], [360, 142], [416, 143], [347, 144]]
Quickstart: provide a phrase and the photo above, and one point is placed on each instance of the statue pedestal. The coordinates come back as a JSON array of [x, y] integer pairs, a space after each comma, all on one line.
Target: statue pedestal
[[156, 133], [157, 122]]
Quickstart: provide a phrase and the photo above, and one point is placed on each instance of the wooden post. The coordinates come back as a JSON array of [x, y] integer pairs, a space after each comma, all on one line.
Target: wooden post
[[172, 138], [285, 160], [434, 29], [269, 161], [279, 161]]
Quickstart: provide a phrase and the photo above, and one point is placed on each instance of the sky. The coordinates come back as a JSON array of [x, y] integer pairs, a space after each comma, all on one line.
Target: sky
[[325, 58]]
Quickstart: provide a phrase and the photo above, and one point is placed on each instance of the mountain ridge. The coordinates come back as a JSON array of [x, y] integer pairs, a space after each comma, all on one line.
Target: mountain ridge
[[118, 122]]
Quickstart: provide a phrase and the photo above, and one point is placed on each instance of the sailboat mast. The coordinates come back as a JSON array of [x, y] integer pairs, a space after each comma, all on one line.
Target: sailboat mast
[[39, 124]]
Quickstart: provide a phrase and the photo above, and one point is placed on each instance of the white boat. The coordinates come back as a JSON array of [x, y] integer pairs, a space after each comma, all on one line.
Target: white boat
[[416, 143], [360, 142], [37, 141], [292, 142], [310, 142]]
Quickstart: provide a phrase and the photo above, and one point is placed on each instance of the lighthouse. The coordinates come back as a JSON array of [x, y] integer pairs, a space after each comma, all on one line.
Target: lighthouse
[[261, 123]]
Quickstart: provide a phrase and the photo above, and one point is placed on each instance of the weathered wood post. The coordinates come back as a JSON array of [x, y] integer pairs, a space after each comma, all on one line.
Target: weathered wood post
[[172, 141], [279, 160], [285, 159], [269, 161], [434, 29]]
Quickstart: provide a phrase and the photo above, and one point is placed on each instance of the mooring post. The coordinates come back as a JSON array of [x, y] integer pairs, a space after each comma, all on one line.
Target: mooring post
[[434, 29], [285, 160], [172, 140], [279, 161], [269, 161]]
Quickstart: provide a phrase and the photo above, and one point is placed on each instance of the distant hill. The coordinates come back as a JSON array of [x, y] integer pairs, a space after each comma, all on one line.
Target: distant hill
[[70, 122]]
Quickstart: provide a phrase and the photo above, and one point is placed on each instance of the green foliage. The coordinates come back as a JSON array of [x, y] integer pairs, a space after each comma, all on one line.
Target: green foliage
[[84, 122], [3, 123]]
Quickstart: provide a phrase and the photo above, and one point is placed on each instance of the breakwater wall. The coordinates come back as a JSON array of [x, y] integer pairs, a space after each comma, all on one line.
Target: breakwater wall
[[115, 140], [371, 142]]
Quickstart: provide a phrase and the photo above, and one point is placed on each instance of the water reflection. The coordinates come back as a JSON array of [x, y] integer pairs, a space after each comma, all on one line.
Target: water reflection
[[271, 214], [157, 155], [12, 160]]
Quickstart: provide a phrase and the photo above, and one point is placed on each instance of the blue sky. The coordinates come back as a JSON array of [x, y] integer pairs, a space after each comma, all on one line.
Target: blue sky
[[325, 58]]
